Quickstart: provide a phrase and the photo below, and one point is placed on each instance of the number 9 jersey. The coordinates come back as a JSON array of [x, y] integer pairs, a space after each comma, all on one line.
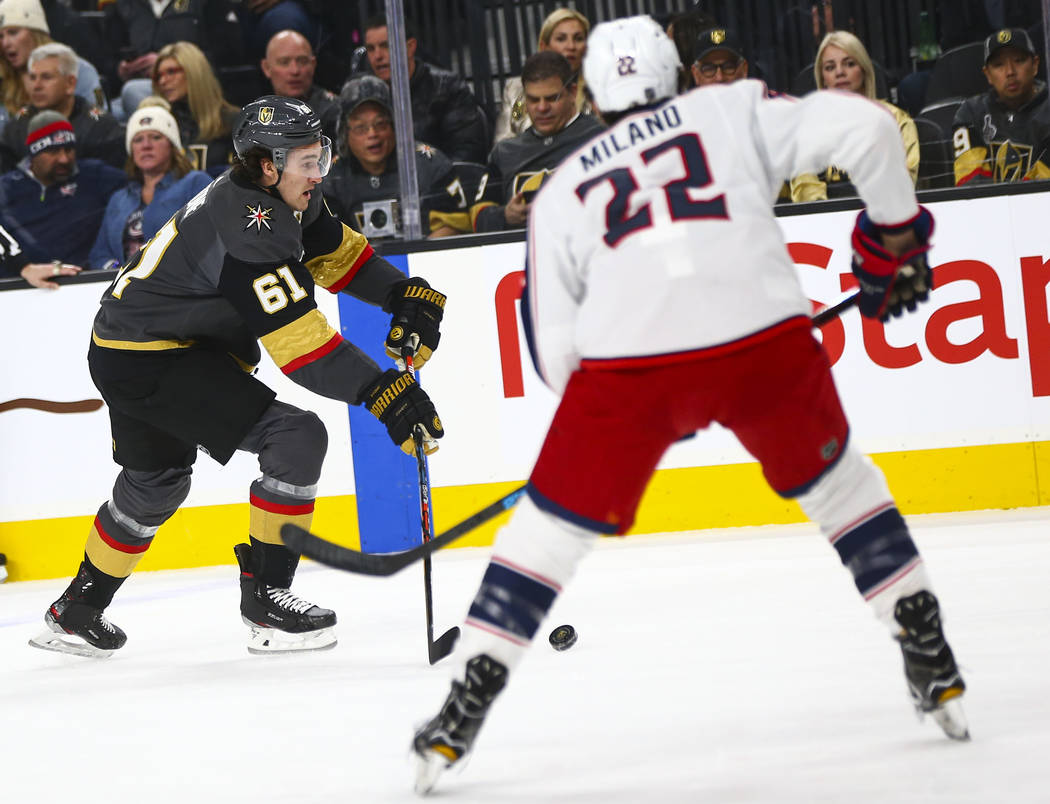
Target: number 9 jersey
[[657, 238]]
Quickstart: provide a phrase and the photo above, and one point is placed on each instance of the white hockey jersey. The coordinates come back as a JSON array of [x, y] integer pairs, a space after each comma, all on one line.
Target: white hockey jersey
[[658, 236]]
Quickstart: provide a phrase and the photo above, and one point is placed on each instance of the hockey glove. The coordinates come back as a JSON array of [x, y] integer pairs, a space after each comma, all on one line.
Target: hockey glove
[[890, 283], [417, 309], [397, 401]]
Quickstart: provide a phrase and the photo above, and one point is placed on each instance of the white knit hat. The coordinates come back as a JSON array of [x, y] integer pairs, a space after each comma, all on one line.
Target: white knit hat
[[23, 14], [153, 118]]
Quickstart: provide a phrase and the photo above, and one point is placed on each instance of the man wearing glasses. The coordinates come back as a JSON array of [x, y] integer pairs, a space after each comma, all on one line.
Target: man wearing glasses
[[363, 187], [518, 166], [719, 58]]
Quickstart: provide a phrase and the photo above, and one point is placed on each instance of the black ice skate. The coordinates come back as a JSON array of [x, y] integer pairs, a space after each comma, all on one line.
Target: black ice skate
[[450, 735], [79, 629], [279, 622], [929, 666]]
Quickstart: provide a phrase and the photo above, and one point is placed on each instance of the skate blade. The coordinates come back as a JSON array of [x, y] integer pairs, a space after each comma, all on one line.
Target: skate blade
[[69, 645], [950, 717], [271, 642], [428, 766]]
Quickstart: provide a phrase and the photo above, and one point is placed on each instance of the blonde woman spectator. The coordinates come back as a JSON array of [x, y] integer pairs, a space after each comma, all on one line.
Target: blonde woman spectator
[[162, 181], [183, 77], [564, 31], [23, 28], [843, 63]]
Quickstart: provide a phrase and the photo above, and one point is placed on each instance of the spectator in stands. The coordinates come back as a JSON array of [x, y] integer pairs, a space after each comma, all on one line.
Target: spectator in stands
[[718, 58], [137, 29], [52, 203], [24, 27], [183, 77], [684, 29], [289, 66], [1004, 134], [162, 181], [843, 63], [444, 111], [518, 166], [51, 81], [14, 264], [364, 187], [261, 19], [564, 31]]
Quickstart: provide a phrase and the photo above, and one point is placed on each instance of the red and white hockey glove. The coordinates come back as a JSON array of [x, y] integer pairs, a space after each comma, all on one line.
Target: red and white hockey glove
[[889, 284]]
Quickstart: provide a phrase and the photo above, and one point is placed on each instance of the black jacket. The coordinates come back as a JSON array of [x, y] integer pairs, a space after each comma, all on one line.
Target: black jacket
[[446, 115]]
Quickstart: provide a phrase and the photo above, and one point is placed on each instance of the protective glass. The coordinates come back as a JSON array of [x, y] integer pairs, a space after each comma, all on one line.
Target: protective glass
[[309, 161]]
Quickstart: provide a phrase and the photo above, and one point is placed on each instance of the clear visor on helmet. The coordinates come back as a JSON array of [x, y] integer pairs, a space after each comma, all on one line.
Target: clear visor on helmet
[[309, 161]]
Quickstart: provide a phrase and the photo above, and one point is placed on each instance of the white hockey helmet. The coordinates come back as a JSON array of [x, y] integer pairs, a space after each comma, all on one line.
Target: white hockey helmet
[[630, 62]]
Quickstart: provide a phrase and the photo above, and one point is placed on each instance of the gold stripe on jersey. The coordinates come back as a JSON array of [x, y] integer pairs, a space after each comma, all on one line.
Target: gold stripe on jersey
[[460, 221], [298, 339], [969, 163], [476, 210], [334, 270], [1038, 171], [140, 346]]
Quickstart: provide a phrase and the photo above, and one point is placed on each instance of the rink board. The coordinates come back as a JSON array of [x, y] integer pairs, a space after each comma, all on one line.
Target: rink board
[[954, 402]]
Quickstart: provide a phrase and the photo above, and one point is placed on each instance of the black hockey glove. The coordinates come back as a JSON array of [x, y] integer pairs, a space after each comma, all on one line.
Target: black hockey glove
[[890, 283], [416, 309], [397, 401]]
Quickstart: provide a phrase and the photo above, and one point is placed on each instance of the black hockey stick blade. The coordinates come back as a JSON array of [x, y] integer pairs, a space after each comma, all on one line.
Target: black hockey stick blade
[[383, 564], [444, 644]]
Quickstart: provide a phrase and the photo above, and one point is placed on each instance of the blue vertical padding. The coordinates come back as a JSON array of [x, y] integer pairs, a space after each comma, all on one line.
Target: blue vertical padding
[[387, 482]]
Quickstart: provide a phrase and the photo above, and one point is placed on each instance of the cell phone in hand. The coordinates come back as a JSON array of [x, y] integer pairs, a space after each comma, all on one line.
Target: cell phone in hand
[[128, 53]]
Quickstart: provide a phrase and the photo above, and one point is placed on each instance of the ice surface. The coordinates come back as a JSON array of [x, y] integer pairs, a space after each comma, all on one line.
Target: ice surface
[[722, 666]]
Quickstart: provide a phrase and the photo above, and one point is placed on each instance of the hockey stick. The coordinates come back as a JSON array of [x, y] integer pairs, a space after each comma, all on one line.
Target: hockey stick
[[824, 315], [442, 647], [384, 564]]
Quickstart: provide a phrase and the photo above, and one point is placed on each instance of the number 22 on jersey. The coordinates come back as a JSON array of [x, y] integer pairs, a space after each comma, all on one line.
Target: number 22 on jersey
[[619, 224]]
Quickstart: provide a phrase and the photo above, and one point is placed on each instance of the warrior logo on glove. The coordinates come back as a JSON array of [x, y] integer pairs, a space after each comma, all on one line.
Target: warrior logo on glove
[[417, 310], [396, 399]]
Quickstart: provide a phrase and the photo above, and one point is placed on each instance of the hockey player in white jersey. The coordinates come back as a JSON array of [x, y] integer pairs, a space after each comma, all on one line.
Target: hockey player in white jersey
[[661, 298]]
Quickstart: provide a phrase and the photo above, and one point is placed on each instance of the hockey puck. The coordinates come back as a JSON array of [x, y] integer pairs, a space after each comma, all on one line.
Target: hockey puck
[[563, 637]]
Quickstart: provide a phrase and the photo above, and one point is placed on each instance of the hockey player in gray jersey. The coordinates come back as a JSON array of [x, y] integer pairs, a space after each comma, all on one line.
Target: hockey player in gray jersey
[[364, 187], [518, 166], [172, 349]]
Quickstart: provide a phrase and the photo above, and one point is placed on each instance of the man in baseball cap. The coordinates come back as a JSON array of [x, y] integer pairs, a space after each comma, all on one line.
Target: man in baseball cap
[[1004, 134], [364, 187], [53, 200], [719, 58]]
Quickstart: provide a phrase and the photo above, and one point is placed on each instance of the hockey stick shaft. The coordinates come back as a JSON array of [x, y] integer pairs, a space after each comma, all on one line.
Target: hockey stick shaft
[[384, 564], [823, 316], [443, 646]]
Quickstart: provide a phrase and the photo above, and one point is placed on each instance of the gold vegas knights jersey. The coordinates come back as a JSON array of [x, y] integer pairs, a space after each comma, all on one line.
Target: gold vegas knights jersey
[[236, 266]]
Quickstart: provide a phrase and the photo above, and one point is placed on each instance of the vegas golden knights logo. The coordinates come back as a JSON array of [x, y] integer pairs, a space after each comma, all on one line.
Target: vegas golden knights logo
[[1010, 161], [718, 36], [266, 115]]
